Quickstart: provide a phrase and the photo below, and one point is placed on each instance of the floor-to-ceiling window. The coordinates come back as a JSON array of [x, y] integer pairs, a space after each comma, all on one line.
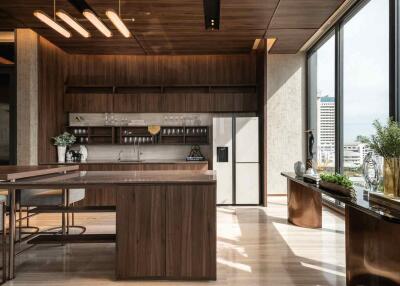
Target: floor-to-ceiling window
[[365, 80], [322, 103], [7, 103], [360, 91]]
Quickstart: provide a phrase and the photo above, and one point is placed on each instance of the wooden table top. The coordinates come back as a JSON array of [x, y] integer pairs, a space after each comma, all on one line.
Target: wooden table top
[[84, 179], [12, 172]]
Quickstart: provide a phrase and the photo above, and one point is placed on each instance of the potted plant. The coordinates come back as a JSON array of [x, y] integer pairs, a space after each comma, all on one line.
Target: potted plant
[[62, 141], [337, 183], [386, 143]]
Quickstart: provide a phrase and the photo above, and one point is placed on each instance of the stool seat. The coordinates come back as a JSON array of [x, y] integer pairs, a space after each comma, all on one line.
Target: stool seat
[[42, 197]]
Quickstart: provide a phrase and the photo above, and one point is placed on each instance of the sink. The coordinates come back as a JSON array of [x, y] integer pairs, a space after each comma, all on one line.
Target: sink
[[130, 161]]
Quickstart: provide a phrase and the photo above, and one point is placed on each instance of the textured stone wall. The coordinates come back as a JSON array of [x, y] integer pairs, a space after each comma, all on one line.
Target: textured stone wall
[[27, 97], [286, 117]]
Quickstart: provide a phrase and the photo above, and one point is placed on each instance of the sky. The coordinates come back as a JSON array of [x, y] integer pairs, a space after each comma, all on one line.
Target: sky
[[366, 69]]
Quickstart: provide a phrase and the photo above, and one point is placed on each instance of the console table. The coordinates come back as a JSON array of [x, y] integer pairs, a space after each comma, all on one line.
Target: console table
[[372, 231]]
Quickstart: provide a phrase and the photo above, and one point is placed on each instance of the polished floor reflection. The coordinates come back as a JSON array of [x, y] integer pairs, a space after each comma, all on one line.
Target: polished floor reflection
[[256, 246]]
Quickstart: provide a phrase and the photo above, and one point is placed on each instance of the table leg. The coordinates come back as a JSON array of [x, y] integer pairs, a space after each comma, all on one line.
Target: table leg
[[11, 254], [304, 206], [372, 251]]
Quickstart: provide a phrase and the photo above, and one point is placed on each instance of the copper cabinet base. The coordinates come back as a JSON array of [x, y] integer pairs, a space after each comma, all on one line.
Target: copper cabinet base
[[372, 250], [304, 206]]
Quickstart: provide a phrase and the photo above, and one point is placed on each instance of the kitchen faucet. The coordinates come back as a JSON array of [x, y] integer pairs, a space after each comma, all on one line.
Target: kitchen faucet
[[119, 154]]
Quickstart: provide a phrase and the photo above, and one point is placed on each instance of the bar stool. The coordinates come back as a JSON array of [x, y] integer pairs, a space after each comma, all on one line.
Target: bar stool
[[3, 201], [36, 198]]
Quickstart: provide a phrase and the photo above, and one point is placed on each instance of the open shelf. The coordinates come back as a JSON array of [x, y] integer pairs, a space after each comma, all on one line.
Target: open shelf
[[161, 88], [133, 135]]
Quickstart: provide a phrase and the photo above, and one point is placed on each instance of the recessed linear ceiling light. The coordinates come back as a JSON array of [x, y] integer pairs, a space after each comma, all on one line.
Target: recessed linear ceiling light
[[91, 16], [118, 23], [270, 43], [50, 22], [72, 23]]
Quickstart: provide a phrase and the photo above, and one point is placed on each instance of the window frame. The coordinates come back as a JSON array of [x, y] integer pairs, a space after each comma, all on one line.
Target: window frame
[[394, 71]]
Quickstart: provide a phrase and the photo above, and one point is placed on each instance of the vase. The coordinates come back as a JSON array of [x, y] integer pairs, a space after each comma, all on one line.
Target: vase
[[391, 177], [61, 153]]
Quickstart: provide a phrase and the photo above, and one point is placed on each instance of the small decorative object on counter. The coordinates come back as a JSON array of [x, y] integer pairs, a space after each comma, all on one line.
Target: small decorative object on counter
[[310, 153], [371, 172], [62, 141], [69, 155], [313, 179], [339, 184], [299, 169], [154, 129], [386, 143], [84, 153], [195, 154]]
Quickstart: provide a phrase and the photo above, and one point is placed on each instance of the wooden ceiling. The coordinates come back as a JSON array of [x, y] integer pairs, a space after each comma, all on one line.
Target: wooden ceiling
[[177, 26]]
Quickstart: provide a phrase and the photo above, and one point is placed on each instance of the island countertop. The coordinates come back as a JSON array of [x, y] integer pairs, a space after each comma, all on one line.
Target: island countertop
[[112, 162], [84, 179], [20, 172]]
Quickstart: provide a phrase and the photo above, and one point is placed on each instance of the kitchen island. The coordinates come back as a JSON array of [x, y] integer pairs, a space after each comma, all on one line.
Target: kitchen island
[[165, 222]]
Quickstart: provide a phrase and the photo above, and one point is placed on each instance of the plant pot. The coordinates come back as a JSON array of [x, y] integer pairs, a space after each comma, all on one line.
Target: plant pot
[[391, 177], [337, 189], [61, 153]]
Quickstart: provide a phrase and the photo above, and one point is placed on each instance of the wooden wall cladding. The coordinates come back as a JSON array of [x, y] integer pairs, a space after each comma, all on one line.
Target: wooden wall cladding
[[91, 70], [52, 119], [161, 70], [88, 102], [161, 83]]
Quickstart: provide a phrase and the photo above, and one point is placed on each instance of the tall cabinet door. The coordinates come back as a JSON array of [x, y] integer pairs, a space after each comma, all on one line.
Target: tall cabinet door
[[140, 232], [222, 158], [247, 173], [190, 232]]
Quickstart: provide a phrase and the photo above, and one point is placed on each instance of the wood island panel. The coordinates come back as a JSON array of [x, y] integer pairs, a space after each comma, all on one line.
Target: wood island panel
[[140, 232], [106, 196], [166, 231], [191, 232]]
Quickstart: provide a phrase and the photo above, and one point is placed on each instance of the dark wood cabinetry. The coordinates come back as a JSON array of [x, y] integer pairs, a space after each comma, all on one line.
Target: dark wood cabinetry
[[103, 196], [190, 215], [88, 102], [141, 232], [166, 231], [230, 99]]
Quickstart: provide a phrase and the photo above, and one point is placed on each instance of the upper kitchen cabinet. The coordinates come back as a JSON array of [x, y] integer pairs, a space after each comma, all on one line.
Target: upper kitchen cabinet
[[240, 98], [88, 102], [231, 70], [185, 70], [131, 70]]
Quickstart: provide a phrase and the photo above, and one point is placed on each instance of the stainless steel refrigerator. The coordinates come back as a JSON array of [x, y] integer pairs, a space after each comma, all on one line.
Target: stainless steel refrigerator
[[236, 160]]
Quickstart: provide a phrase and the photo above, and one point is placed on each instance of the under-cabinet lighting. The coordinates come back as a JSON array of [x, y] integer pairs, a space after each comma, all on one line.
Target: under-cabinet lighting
[[72, 23], [118, 23], [50, 22], [91, 16]]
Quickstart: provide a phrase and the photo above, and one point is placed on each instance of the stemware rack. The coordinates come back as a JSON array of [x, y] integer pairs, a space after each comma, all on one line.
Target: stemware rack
[[130, 135]]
